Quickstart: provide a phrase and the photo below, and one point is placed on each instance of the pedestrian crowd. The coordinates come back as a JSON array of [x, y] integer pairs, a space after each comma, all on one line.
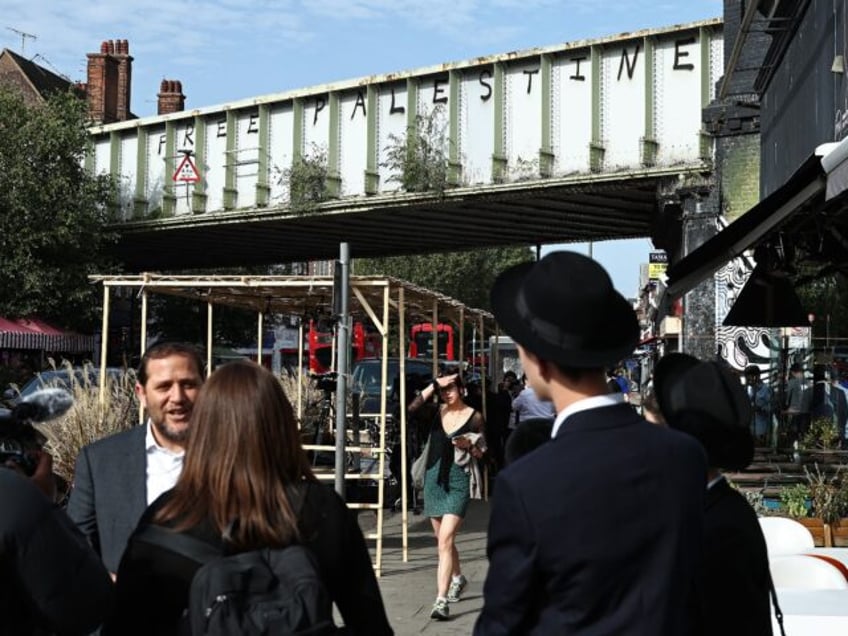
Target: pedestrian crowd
[[208, 518], [783, 415]]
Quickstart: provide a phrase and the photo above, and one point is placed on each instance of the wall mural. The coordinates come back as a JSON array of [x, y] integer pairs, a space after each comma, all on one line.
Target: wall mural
[[743, 346]]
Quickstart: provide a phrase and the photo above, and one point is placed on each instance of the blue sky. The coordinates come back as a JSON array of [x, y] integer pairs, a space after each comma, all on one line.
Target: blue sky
[[228, 50]]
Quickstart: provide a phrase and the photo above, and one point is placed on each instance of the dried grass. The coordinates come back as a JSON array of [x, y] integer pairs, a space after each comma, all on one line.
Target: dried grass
[[309, 394], [88, 420]]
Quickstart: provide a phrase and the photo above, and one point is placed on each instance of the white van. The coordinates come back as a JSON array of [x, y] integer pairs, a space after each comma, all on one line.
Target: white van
[[503, 357]]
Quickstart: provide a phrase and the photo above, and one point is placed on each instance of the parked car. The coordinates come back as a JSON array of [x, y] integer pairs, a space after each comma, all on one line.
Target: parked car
[[58, 378], [365, 381]]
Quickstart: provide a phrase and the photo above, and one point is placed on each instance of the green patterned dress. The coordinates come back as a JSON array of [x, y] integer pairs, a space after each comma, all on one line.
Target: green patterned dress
[[446, 492]]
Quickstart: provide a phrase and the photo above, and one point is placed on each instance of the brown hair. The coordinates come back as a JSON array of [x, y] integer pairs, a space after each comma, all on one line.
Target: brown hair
[[243, 451], [166, 350]]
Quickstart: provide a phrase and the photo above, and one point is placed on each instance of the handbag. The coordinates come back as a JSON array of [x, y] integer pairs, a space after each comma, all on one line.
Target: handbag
[[419, 467]]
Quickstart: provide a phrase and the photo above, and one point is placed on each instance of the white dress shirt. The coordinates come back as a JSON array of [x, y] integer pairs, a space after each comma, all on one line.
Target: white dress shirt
[[594, 402], [163, 466]]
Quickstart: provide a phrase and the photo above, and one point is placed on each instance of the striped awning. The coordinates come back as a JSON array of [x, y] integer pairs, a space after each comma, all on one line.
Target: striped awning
[[38, 335]]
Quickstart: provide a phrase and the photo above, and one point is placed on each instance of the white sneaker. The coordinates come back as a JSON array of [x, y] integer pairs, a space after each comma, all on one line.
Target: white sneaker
[[456, 587], [440, 611]]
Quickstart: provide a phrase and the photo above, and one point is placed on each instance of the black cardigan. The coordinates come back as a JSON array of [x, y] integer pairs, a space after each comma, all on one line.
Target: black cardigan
[[153, 582]]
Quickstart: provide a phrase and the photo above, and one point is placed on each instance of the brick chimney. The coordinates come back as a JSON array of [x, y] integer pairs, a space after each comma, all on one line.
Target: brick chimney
[[103, 84], [122, 54], [171, 98]]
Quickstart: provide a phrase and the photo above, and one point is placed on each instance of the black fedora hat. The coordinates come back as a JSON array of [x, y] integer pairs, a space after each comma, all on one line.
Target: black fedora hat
[[564, 309], [705, 400]]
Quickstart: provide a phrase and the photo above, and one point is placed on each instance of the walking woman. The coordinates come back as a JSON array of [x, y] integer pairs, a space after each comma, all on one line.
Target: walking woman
[[455, 434], [245, 477]]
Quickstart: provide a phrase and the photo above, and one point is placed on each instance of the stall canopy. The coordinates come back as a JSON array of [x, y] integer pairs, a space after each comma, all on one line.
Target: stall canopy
[[806, 219], [35, 334]]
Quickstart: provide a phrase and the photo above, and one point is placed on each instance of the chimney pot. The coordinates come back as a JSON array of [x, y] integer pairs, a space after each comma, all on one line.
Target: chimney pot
[[171, 98], [104, 47]]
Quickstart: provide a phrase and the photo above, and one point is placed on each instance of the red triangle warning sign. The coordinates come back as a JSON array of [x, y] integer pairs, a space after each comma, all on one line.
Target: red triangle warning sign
[[186, 171]]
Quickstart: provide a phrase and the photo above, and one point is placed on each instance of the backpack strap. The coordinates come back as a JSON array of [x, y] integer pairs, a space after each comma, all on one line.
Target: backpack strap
[[180, 543], [778, 614]]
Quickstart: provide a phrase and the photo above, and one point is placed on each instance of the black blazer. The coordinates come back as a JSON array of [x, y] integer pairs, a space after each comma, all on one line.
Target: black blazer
[[153, 582], [736, 571], [599, 531]]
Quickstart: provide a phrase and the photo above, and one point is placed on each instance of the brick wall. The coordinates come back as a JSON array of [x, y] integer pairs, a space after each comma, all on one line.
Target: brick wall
[[739, 160]]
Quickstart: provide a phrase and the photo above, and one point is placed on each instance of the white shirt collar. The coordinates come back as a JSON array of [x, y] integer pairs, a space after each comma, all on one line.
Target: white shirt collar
[[714, 481], [163, 466], [594, 402], [151, 445]]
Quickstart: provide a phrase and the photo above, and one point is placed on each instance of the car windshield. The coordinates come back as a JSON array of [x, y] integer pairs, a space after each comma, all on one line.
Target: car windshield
[[47, 379], [366, 374]]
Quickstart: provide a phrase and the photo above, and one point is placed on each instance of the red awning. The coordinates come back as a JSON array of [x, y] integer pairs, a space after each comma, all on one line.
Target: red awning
[[32, 333], [39, 326]]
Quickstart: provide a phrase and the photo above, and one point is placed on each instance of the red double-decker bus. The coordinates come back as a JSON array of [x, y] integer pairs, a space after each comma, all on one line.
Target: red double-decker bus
[[421, 341], [363, 344]]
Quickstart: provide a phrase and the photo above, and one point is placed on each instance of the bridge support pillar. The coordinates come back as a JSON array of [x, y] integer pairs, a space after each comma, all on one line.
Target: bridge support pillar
[[698, 329]]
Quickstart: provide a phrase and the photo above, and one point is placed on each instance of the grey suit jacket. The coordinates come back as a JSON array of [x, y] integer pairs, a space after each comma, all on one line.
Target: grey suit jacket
[[110, 492]]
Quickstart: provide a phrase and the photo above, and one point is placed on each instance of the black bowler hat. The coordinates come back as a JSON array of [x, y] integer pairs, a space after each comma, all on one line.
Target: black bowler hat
[[564, 309], [705, 400]]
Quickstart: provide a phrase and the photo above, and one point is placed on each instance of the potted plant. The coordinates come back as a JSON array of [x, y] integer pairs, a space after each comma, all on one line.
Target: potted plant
[[795, 502], [829, 500], [822, 438]]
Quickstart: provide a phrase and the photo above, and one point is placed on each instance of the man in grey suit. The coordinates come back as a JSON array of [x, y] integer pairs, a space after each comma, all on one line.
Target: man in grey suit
[[599, 529], [117, 477]]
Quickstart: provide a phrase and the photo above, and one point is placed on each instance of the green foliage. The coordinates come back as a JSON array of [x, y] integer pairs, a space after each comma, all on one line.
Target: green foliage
[[825, 295], [755, 498], [307, 180], [823, 434], [828, 494], [419, 158], [52, 212], [467, 276], [185, 320], [794, 498]]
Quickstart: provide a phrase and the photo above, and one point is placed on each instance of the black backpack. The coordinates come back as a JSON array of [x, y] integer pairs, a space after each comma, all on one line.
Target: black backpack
[[269, 591]]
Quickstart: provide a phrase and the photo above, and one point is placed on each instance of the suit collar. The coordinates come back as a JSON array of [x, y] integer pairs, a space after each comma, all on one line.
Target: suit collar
[[598, 418], [717, 491]]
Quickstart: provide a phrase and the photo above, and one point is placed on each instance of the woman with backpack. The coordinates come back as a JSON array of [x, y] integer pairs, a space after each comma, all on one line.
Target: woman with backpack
[[248, 540]]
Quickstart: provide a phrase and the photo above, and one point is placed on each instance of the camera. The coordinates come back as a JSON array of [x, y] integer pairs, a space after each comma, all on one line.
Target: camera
[[19, 439]]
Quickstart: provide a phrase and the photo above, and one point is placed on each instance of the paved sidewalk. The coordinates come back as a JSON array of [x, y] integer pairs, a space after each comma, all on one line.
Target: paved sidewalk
[[409, 589]]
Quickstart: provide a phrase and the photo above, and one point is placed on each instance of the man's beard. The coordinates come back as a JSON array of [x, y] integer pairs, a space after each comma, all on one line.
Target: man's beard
[[177, 437]]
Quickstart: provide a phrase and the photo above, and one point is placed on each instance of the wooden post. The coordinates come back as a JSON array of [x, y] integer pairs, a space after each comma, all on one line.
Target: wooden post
[[104, 341]]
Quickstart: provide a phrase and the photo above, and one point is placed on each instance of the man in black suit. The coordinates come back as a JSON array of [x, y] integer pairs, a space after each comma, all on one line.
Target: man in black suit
[[598, 531], [705, 400], [117, 477]]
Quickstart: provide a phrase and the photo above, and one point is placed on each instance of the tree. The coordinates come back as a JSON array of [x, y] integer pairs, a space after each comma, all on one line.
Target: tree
[[467, 276], [52, 212], [826, 297]]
